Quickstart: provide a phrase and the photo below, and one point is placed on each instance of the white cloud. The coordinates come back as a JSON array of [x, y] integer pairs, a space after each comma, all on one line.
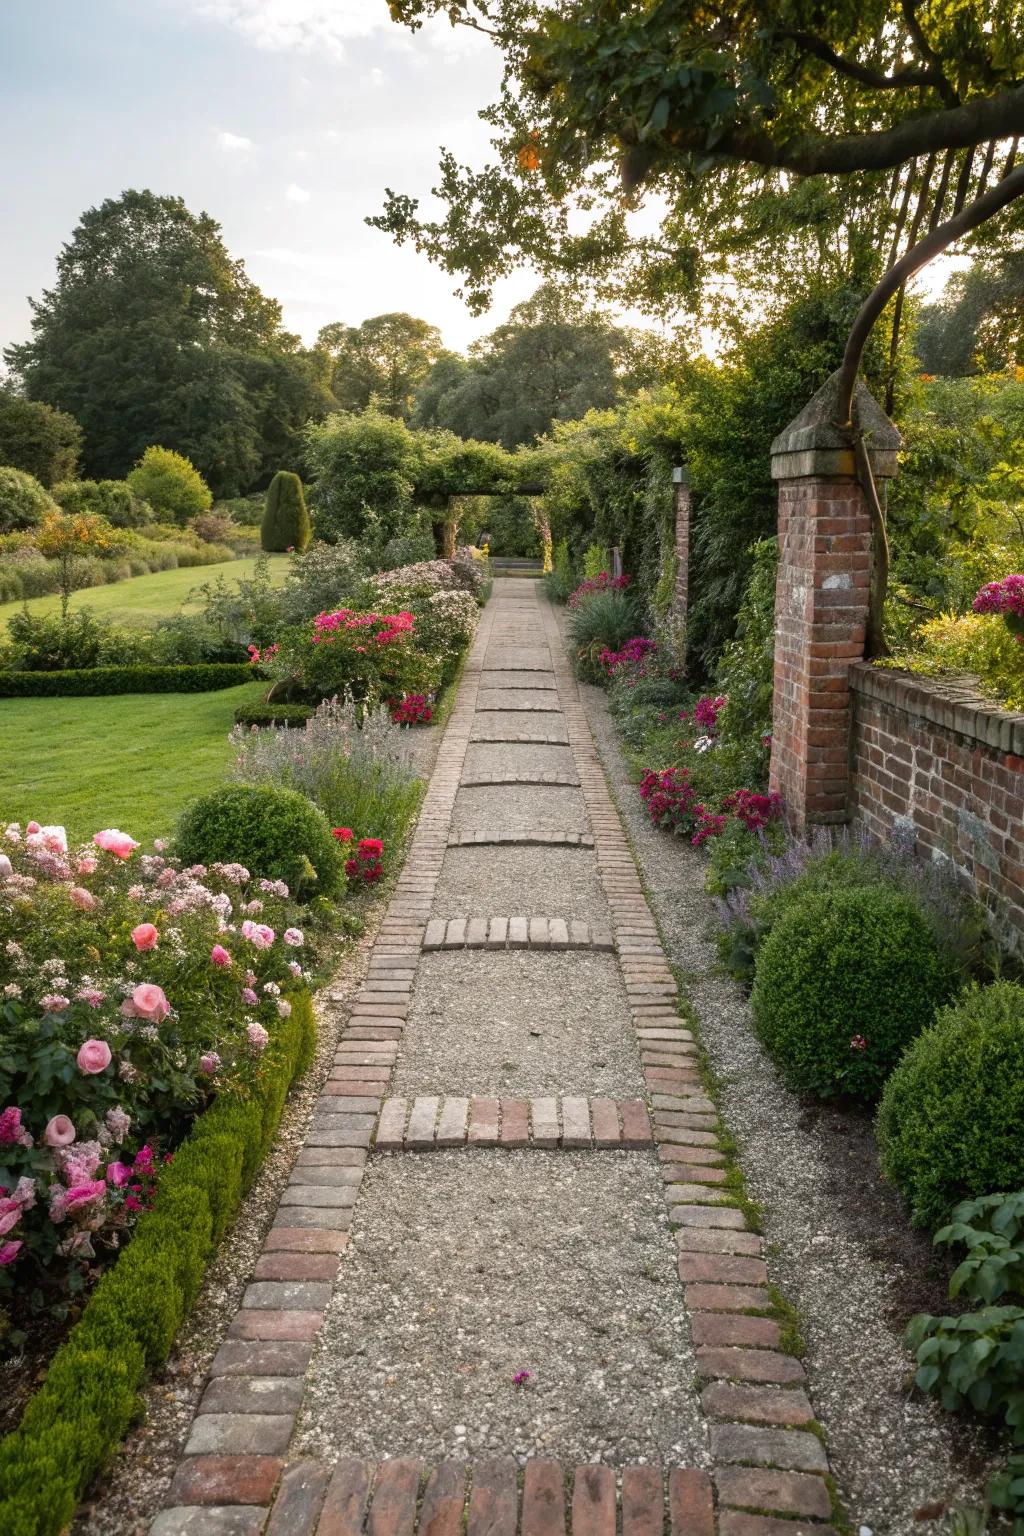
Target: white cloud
[[296, 194], [236, 142], [376, 76], [302, 26]]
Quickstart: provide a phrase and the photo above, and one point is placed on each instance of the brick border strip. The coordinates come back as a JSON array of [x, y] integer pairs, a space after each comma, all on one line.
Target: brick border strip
[[496, 1497], [487, 738], [768, 1462], [538, 837], [246, 1417], [519, 931], [550, 778], [430, 1123]]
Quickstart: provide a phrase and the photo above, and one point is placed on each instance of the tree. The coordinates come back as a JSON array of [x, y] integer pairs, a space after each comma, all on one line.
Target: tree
[[383, 359], [978, 324], [69, 538], [173, 487], [149, 335], [601, 102], [23, 501], [285, 521], [553, 360], [363, 468], [36, 438]]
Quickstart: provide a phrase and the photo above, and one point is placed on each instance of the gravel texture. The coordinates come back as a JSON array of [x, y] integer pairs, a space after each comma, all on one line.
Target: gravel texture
[[555, 882], [511, 807], [497, 696], [466, 1268], [891, 1452], [518, 758], [521, 1025]]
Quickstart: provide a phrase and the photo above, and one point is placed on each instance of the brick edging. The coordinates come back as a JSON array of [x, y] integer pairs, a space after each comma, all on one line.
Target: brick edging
[[518, 931], [952, 703], [768, 1462], [431, 1123]]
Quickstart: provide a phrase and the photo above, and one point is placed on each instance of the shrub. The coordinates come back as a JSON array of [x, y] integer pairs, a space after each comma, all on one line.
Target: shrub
[[978, 643], [364, 655], [843, 983], [212, 528], [406, 549], [321, 578], [113, 499], [51, 643], [89, 1397], [560, 581], [603, 621], [285, 521], [746, 666], [23, 501], [949, 1124], [274, 832], [247, 511], [84, 682], [38, 438], [350, 762], [290, 715], [171, 484]]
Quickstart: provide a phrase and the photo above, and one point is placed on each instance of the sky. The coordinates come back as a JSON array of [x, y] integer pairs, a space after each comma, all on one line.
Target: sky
[[283, 119]]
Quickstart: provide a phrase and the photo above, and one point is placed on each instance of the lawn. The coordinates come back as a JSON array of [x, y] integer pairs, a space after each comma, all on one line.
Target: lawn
[[129, 761], [139, 602]]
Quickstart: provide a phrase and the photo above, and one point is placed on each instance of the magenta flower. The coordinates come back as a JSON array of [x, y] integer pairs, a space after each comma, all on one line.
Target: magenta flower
[[520, 1378], [219, 955], [858, 1043], [9, 1251], [118, 1174]]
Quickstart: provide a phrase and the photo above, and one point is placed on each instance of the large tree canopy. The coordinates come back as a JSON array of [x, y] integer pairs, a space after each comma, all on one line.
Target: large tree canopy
[[153, 334], [978, 324], [821, 125], [383, 359], [553, 360]]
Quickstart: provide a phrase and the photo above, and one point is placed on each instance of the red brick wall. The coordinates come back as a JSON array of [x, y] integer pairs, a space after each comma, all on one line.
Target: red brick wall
[[820, 609], [935, 755]]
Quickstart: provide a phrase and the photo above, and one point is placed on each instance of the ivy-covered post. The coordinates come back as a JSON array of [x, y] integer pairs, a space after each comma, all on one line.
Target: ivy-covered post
[[821, 596], [681, 496]]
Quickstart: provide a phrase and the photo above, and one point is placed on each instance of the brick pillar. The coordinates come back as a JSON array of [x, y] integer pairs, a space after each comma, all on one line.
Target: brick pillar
[[821, 599], [681, 487]]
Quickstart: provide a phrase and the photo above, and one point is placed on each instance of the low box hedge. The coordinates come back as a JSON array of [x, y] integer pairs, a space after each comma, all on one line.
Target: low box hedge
[[274, 714], [90, 1396], [203, 677]]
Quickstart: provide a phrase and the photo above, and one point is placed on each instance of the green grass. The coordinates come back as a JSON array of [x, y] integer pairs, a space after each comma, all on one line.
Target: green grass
[[139, 602], [129, 761]]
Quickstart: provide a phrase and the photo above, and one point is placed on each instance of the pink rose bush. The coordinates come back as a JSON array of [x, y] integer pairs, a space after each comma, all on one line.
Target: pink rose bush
[[131, 991]]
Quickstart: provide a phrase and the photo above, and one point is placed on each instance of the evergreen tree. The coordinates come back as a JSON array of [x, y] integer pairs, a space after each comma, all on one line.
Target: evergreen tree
[[286, 520]]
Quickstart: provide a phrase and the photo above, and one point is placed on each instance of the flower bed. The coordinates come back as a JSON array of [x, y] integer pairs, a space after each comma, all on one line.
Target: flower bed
[[133, 993]]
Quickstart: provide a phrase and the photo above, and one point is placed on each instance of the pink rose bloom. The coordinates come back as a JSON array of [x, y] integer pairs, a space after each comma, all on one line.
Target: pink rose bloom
[[257, 1036], [87, 866], [219, 955], [83, 1195], [59, 1132], [118, 1174], [209, 1063], [94, 1056], [79, 897], [55, 839], [10, 1215], [258, 934], [118, 843], [294, 937], [150, 1002], [249, 996], [6, 867], [32, 826], [9, 1251], [145, 936]]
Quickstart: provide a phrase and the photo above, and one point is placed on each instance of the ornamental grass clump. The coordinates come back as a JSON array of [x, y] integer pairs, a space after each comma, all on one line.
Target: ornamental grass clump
[[843, 983], [603, 620], [951, 1121]]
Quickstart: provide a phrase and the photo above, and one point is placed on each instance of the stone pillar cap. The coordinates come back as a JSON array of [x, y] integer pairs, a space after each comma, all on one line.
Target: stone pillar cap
[[681, 475], [812, 444]]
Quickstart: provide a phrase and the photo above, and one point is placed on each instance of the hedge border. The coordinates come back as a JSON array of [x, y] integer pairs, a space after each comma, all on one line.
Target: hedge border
[[289, 715], [203, 677], [80, 1414]]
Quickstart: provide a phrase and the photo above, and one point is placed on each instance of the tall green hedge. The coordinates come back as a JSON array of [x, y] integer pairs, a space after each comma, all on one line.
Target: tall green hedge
[[78, 1417], [285, 520]]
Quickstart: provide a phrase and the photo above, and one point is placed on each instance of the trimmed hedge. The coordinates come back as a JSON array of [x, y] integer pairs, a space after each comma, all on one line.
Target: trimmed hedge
[[202, 677], [274, 714], [843, 983], [275, 832], [78, 1417], [950, 1125]]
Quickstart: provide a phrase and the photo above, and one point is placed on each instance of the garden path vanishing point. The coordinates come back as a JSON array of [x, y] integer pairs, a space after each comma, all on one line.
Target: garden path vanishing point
[[507, 1288]]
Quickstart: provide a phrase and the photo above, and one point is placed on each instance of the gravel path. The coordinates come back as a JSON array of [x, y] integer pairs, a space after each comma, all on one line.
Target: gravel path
[[520, 807], [891, 1451], [466, 1268], [558, 882], [515, 757], [519, 1025]]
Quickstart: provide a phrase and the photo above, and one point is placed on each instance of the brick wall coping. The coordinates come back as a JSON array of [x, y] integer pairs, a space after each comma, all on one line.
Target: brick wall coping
[[954, 703]]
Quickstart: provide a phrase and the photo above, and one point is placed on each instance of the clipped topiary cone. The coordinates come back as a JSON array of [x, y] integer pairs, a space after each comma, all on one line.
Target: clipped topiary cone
[[285, 520]]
